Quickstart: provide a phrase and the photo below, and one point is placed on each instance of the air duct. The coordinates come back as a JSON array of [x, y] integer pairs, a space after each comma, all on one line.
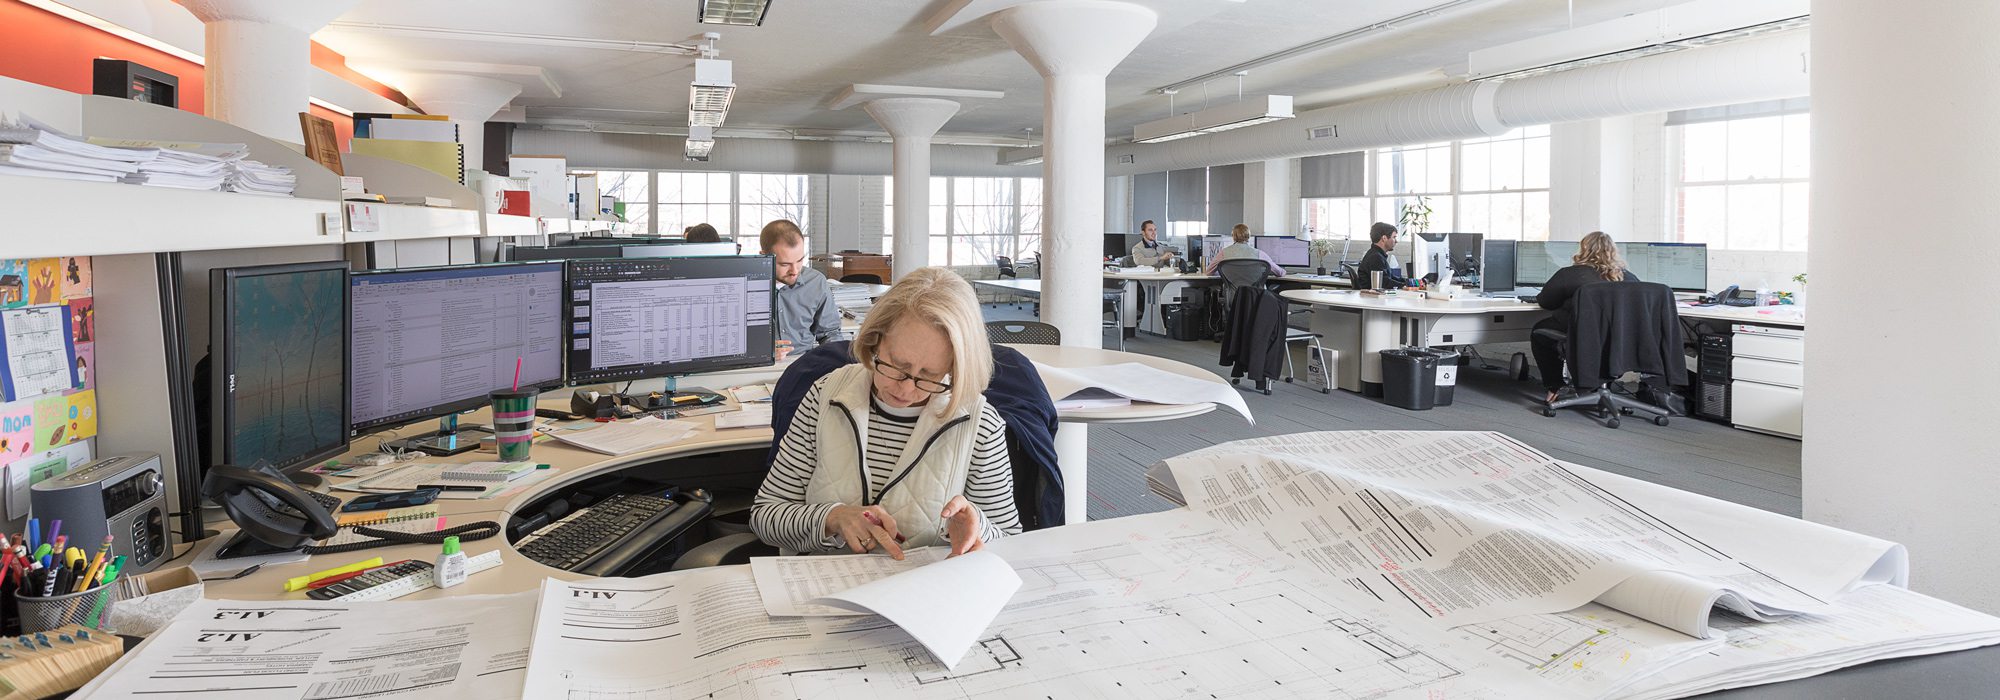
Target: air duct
[[609, 151], [1748, 71]]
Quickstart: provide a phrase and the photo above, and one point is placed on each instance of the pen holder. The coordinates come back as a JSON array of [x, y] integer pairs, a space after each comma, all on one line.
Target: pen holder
[[88, 608]]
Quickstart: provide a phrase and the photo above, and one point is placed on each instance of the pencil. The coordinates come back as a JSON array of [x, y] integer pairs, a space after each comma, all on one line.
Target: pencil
[[96, 566]]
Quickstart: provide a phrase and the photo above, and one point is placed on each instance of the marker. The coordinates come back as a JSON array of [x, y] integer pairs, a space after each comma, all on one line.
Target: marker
[[299, 583]]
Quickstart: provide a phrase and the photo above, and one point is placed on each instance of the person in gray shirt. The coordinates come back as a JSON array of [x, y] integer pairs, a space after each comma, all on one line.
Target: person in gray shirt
[[806, 313], [1150, 252]]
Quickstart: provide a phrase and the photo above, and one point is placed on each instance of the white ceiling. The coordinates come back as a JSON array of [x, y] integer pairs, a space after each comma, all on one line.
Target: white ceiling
[[790, 70]]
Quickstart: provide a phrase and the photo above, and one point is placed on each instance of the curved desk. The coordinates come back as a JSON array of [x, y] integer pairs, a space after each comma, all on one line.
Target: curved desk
[[574, 465], [1361, 326]]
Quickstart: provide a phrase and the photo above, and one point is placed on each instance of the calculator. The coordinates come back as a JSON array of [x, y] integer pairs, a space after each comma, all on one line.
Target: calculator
[[381, 576]]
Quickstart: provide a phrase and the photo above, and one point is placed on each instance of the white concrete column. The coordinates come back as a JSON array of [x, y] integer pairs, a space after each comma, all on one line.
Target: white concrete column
[[1073, 44], [1267, 197], [258, 55], [469, 101], [911, 121], [1898, 432]]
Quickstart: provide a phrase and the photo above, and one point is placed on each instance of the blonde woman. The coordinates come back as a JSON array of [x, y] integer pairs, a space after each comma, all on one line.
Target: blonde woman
[[1596, 260], [899, 449], [1241, 249]]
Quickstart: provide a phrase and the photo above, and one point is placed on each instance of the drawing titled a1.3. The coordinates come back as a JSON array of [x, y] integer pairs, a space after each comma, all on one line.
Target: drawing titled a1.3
[[48, 334]]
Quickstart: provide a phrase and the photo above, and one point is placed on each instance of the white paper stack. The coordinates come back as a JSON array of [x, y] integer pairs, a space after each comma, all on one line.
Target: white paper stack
[[30, 148], [190, 170], [252, 177]]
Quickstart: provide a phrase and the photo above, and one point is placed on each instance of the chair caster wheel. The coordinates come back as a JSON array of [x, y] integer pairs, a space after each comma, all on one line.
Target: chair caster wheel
[[1624, 411], [1518, 366], [1612, 424], [1660, 421], [1267, 392], [1233, 381], [1288, 380], [1549, 412]]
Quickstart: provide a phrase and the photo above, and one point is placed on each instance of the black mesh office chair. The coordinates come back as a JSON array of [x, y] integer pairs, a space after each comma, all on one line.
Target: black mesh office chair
[[1023, 332], [1249, 273], [1619, 327], [860, 279], [1006, 265]]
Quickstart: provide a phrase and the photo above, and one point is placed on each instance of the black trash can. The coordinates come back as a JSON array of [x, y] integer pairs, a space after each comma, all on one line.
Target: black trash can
[[1409, 378], [1181, 321], [1449, 361]]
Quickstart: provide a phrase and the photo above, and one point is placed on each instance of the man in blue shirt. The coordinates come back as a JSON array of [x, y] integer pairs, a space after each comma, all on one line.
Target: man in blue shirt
[[806, 314]]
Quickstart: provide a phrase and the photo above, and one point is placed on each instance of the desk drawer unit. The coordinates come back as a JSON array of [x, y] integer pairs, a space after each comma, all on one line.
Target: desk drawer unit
[[1767, 379]]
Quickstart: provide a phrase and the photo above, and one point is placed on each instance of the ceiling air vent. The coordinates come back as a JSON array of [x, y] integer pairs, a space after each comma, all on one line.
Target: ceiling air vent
[[1322, 132]]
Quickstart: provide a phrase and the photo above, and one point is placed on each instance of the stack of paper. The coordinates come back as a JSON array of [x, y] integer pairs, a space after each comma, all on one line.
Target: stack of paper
[[625, 438], [30, 148], [1100, 387], [199, 168], [252, 177]]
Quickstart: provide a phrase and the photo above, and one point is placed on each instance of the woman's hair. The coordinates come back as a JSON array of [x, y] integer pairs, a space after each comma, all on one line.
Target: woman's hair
[[702, 233], [1597, 251], [1380, 231], [1240, 234], [943, 300]]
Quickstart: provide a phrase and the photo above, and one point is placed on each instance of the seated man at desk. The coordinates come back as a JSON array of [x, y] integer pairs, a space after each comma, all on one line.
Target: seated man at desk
[[1239, 250], [1596, 261], [1150, 252], [807, 315], [1382, 242], [899, 449]]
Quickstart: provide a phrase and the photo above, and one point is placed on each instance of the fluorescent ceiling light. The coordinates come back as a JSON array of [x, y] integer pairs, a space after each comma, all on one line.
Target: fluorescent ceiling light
[[700, 143], [1246, 112], [742, 13], [707, 119], [710, 93], [1022, 156]]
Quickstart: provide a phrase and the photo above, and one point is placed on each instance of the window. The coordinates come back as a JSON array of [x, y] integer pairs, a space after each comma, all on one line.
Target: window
[[762, 199], [1497, 186], [1503, 185], [1743, 183], [686, 199], [975, 219], [628, 187]]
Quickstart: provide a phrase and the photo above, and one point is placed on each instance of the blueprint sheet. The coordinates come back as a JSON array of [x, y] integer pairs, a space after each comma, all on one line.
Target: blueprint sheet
[[1473, 526], [1165, 605]]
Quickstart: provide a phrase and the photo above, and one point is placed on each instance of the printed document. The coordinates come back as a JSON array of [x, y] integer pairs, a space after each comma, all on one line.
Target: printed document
[[627, 437], [466, 646], [1139, 382], [944, 606], [787, 583]]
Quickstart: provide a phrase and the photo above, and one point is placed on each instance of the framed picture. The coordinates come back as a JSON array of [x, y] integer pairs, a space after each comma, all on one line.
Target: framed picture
[[321, 144]]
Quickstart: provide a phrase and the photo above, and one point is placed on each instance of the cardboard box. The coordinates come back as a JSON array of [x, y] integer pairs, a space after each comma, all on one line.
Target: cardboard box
[[148, 602]]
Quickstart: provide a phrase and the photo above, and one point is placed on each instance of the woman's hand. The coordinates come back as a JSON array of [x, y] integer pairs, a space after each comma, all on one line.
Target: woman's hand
[[961, 526], [865, 528]]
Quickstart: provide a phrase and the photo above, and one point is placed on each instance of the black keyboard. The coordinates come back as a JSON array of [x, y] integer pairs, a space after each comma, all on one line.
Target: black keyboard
[[577, 541]]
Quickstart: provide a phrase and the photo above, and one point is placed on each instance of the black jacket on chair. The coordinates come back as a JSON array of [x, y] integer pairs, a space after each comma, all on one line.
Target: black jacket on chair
[[1253, 339], [1625, 327]]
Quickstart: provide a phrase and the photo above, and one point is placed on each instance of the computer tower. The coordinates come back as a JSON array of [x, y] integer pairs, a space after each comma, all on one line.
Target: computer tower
[[1711, 400]]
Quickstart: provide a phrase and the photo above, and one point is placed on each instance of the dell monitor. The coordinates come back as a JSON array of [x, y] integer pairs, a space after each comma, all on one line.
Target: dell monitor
[[667, 317], [278, 358], [1428, 253], [1286, 251], [1536, 261], [1497, 274], [434, 342], [1682, 266]]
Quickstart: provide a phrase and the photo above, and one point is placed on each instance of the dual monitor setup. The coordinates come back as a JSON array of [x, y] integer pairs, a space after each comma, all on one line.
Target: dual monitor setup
[[306, 357], [1286, 251]]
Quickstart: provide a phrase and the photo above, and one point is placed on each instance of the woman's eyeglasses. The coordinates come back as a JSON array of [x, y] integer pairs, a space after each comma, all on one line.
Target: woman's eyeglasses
[[896, 375]]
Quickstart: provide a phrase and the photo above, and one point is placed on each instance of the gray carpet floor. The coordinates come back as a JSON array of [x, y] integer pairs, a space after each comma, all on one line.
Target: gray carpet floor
[[1689, 454]]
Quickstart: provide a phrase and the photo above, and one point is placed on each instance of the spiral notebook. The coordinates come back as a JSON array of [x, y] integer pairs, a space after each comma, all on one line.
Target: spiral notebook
[[416, 523]]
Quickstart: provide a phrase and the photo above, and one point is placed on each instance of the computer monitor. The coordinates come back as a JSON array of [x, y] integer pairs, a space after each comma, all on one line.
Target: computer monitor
[[634, 250], [278, 358], [1496, 272], [433, 342], [1464, 249], [1536, 261], [1211, 246], [1286, 251], [1682, 266], [1194, 249], [1429, 253], [666, 317]]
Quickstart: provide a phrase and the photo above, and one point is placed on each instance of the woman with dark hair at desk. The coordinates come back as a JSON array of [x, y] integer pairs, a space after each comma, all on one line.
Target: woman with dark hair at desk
[[899, 449], [1596, 261]]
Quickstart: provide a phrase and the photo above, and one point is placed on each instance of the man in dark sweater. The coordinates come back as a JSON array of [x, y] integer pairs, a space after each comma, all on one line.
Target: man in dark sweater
[[1382, 240], [1596, 261]]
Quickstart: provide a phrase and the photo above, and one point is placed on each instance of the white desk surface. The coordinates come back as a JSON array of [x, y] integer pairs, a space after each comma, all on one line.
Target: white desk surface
[[1406, 302], [874, 290], [571, 464], [1790, 316], [1065, 356], [1030, 286], [1142, 276]]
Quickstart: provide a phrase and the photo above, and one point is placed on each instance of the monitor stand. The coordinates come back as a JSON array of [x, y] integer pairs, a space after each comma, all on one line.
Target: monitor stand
[[450, 438]]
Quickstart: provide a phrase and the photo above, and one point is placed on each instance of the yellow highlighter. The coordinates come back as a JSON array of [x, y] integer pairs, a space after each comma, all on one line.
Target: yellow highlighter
[[299, 583]]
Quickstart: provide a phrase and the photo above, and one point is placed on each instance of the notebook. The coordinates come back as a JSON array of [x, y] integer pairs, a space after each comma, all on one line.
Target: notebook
[[388, 515], [347, 535], [489, 471]]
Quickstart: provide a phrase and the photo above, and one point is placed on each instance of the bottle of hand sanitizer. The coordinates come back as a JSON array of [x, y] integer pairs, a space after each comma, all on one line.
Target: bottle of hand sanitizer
[[450, 569]]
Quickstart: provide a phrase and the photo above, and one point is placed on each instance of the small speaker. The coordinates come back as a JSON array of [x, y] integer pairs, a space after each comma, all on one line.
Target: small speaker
[[124, 496]]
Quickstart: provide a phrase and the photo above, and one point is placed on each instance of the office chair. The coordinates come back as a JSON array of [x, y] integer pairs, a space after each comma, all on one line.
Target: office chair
[[860, 279], [1023, 332], [1007, 270], [1114, 303], [1619, 327], [1255, 274]]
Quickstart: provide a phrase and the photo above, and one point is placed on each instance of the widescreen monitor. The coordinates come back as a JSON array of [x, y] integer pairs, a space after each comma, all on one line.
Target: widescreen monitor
[[632, 250], [431, 342], [1496, 274], [1682, 266], [1536, 261], [1286, 251], [667, 317]]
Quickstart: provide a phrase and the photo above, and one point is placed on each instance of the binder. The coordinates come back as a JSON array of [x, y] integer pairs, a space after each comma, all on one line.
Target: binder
[[447, 159]]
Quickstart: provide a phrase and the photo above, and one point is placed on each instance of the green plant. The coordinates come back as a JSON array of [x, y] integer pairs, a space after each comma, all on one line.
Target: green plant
[[1416, 217], [1799, 278]]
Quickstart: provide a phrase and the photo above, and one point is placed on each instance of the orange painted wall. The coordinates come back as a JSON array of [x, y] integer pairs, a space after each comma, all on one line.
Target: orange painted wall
[[42, 47], [48, 49]]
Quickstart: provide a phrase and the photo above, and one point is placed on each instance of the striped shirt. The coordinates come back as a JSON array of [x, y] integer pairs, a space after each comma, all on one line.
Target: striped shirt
[[781, 516]]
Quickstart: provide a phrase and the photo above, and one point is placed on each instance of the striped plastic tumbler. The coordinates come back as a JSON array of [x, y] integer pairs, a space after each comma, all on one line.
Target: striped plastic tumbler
[[514, 423]]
